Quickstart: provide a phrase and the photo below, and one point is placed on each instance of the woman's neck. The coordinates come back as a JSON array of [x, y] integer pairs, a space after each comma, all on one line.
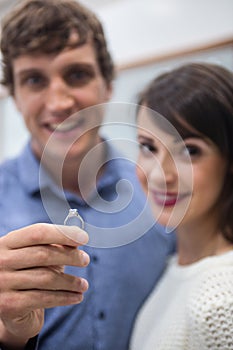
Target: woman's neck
[[196, 244]]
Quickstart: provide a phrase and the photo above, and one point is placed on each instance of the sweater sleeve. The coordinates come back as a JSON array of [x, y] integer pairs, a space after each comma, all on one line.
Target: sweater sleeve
[[211, 311]]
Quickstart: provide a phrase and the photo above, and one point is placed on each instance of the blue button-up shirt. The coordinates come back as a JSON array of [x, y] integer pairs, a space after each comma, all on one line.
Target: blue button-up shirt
[[128, 252]]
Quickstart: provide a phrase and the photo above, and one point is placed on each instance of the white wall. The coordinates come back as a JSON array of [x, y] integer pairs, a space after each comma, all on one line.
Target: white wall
[[137, 29], [140, 28]]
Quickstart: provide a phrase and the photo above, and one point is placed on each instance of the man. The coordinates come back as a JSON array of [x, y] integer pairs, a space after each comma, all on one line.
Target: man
[[56, 65]]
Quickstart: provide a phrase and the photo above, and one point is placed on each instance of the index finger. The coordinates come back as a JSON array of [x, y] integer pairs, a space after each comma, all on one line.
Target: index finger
[[46, 234]]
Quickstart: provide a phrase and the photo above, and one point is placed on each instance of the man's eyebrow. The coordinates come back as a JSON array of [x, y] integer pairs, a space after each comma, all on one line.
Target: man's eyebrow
[[79, 65], [28, 71]]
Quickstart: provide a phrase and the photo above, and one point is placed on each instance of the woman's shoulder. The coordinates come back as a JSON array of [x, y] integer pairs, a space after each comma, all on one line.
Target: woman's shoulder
[[211, 305], [216, 279]]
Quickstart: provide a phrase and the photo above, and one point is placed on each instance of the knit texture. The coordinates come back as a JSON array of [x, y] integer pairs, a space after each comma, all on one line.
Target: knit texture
[[190, 309]]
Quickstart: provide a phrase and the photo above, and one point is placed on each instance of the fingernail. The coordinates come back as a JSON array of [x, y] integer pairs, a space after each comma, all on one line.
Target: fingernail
[[84, 285], [85, 258]]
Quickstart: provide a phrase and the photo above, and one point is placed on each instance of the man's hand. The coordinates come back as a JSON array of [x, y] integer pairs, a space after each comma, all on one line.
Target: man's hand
[[32, 277]]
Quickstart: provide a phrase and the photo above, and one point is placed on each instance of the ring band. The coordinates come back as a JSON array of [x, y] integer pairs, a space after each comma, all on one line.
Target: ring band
[[73, 213]]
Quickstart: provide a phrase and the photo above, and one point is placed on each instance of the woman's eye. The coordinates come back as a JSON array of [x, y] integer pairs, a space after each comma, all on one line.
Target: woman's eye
[[192, 150], [146, 149]]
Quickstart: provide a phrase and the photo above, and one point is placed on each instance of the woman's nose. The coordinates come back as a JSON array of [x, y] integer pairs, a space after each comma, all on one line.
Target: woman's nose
[[164, 170]]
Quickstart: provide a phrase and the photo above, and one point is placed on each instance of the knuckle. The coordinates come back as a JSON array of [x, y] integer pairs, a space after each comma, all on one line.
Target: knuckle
[[72, 282], [3, 261], [4, 281], [47, 277], [42, 255], [38, 232]]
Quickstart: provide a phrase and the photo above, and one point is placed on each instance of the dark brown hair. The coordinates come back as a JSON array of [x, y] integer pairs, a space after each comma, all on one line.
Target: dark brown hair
[[198, 98], [45, 26]]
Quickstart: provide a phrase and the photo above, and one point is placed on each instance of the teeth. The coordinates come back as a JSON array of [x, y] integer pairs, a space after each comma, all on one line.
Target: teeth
[[65, 126], [165, 197]]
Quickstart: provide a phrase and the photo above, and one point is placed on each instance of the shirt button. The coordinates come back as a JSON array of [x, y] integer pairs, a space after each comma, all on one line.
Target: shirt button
[[95, 258], [101, 315]]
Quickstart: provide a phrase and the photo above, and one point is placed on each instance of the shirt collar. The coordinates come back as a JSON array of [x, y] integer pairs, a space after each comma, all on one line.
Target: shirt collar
[[34, 178]]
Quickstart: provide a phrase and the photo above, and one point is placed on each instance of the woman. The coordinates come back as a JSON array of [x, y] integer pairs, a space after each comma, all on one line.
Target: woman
[[190, 182]]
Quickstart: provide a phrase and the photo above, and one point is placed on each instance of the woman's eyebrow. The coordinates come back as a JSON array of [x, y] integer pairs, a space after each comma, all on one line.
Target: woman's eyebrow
[[179, 138]]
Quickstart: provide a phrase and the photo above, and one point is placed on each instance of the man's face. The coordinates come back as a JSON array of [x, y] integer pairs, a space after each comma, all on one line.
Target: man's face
[[48, 89]]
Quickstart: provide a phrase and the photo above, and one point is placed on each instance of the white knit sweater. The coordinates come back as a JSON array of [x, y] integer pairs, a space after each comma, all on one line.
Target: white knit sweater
[[190, 309]]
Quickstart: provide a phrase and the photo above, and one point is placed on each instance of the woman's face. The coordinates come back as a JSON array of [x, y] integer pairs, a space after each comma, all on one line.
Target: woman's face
[[185, 177]]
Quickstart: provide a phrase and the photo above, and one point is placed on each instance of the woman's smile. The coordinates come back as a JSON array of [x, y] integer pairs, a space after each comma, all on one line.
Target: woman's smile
[[167, 199]]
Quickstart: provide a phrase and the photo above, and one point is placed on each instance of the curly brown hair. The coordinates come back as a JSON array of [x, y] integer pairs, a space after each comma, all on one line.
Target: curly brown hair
[[45, 26]]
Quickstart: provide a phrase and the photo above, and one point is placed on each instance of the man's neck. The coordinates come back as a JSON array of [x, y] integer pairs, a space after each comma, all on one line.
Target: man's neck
[[78, 175]]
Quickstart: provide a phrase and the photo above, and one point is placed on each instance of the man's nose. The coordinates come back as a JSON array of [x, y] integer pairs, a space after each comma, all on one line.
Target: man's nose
[[58, 96]]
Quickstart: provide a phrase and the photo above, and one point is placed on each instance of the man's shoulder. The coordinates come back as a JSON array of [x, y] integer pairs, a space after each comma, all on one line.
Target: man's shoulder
[[9, 181], [17, 169], [8, 171], [123, 167]]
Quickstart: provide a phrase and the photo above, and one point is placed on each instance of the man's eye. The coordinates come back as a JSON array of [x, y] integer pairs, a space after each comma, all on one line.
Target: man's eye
[[78, 77], [34, 81]]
